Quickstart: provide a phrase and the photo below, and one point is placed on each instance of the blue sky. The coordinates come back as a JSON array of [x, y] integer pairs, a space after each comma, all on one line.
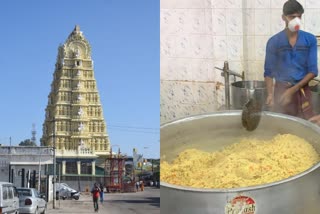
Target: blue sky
[[124, 37]]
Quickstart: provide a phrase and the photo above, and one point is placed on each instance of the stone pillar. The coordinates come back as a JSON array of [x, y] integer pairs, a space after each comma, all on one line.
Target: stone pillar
[[79, 167], [93, 164], [63, 172]]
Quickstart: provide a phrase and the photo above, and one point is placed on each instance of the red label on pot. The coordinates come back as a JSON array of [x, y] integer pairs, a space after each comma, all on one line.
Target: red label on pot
[[241, 205]]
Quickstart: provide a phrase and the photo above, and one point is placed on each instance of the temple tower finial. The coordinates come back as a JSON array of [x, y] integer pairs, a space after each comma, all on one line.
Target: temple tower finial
[[77, 28]]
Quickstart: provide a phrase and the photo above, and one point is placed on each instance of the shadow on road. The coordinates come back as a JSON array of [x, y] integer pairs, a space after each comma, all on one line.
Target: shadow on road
[[153, 201]]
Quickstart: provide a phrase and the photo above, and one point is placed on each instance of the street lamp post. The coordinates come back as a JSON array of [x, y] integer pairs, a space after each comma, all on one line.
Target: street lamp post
[[39, 173], [110, 168], [152, 166], [54, 164]]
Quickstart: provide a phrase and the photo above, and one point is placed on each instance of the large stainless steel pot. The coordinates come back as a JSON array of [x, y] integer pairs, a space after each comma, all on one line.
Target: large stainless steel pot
[[315, 93], [242, 91], [295, 195]]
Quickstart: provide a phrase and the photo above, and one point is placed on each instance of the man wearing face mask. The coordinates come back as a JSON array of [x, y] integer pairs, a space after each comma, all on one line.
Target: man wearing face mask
[[291, 59]]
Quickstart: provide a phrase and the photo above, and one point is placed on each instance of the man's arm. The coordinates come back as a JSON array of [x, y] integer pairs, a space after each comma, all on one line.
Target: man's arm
[[287, 95], [303, 82], [270, 61], [269, 85]]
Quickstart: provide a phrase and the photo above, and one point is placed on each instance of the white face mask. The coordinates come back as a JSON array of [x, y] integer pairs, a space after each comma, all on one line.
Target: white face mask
[[294, 24]]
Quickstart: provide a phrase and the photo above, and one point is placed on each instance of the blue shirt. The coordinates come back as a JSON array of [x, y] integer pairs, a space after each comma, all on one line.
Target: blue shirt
[[291, 64]]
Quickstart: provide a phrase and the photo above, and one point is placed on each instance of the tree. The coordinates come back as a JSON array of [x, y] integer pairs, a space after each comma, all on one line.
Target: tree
[[27, 142]]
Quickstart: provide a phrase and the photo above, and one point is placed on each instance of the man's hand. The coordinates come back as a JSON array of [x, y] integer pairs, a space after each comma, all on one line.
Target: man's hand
[[269, 101], [315, 119], [286, 97]]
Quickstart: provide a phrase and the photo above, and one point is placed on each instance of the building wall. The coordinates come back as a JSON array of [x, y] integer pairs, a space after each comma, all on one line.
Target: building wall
[[20, 157], [198, 35]]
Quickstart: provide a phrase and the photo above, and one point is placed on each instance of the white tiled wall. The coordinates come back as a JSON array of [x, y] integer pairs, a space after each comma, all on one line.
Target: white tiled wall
[[197, 35]]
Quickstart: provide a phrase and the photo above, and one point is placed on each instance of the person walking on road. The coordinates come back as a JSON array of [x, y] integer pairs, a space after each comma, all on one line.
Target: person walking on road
[[101, 192], [95, 195], [137, 186], [141, 186]]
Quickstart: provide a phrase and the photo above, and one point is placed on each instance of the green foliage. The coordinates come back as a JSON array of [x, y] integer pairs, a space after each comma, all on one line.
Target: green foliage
[[27, 142], [156, 176]]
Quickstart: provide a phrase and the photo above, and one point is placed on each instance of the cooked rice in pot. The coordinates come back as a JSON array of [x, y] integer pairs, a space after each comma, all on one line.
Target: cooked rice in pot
[[246, 163]]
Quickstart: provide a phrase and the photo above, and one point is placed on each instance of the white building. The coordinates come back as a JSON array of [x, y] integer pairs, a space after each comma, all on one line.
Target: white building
[[19, 163]]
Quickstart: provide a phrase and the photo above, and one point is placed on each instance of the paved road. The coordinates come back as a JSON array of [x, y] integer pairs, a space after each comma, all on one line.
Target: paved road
[[144, 202]]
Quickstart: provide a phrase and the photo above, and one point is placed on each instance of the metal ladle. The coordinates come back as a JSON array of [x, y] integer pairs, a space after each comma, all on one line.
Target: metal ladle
[[251, 114]]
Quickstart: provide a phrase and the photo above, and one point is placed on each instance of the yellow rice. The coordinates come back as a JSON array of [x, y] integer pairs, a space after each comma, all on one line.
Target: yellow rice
[[246, 163]]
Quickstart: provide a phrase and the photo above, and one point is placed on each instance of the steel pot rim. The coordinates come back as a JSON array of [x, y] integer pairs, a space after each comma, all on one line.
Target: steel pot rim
[[235, 84]]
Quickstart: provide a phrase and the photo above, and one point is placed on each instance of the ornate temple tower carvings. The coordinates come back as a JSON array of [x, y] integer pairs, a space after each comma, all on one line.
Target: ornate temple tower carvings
[[74, 117]]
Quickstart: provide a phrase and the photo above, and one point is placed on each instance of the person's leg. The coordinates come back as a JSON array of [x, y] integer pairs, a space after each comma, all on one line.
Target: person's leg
[[292, 107], [305, 98], [101, 197], [97, 205], [96, 208], [94, 203]]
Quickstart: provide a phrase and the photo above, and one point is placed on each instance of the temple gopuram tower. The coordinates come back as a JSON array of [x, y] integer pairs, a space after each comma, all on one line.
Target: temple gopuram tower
[[74, 120]]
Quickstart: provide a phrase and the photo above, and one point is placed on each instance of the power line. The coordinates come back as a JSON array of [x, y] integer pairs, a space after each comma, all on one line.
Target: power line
[[132, 127], [135, 131]]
